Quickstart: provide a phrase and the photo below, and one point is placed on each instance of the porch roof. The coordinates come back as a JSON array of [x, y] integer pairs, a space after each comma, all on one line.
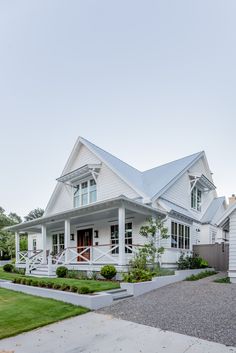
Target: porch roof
[[91, 209]]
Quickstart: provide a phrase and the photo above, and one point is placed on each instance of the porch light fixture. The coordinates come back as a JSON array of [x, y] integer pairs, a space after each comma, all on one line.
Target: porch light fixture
[[72, 237], [96, 234]]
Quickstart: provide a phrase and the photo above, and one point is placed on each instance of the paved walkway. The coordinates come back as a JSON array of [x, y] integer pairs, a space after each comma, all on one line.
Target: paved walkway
[[98, 333], [202, 309]]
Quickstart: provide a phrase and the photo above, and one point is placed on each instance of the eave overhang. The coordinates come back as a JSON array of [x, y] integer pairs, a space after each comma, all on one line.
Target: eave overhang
[[89, 210]]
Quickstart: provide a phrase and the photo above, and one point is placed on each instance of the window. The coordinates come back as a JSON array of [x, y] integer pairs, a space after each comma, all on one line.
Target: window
[[85, 193], [58, 243], [115, 237], [180, 236], [213, 236], [92, 191], [174, 235], [34, 245], [196, 199]]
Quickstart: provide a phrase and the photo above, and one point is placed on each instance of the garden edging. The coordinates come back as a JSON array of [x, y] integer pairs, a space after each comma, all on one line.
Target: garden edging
[[92, 302], [140, 288]]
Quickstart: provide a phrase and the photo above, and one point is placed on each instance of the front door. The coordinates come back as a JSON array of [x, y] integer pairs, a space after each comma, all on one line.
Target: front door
[[84, 239]]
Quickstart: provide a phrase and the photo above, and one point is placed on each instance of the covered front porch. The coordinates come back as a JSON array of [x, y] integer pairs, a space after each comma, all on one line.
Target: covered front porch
[[86, 238]]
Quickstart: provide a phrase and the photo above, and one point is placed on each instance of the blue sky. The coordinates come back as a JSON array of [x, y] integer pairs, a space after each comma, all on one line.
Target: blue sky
[[149, 81]]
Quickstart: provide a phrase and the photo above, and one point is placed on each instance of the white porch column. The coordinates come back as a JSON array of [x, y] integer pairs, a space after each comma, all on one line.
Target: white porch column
[[67, 239], [121, 222], [232, 248], [44, 243], [17, 246]]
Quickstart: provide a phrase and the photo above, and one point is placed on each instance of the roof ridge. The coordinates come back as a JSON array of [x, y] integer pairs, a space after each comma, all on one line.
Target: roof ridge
[[175, 160], [129, 165]]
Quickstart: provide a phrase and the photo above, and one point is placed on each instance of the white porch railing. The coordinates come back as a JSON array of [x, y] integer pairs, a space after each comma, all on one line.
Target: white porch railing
[[92, 255], [34, 261], [24, 255]]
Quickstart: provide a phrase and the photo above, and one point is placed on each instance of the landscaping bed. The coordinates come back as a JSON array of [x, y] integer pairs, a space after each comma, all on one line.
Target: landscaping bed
[[67, 284], [21, 312]]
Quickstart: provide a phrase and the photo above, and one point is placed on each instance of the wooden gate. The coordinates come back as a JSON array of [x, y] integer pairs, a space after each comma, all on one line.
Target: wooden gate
[[217, 255]]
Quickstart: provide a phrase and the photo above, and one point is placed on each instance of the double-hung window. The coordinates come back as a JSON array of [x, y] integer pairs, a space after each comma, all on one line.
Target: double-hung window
[[58, 243], [196, 199], [85, 193], [115, 237], [180, 236]]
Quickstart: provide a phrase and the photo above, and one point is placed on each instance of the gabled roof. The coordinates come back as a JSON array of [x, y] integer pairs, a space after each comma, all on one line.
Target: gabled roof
[[158, 180], [226, 214], [210, 215], [152, 182], [149, 184]]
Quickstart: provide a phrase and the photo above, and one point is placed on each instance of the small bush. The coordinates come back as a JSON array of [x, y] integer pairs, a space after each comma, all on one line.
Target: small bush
[[108, 271], [84, 290], [20, 271], [200, 275], [56, 286], [28, 281], [62, 271], [23, 280], [16, 280], [35, 283], [73, 289], [191, 262], [49, 285], [8, 268], [43, 284], [73, 274], [65, 287], [137, 275], [222, 280]]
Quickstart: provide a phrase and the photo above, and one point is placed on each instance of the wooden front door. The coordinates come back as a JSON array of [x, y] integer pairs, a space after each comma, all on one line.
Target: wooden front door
[[84, 239]]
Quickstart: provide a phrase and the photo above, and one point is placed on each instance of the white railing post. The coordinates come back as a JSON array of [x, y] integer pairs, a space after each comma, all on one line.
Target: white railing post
[[121, 221], [67, 239], [17, 246], [44, 243], [50, 271], [27, 266]]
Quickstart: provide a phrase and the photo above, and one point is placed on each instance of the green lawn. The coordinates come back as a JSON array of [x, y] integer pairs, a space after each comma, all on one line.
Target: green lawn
[[21, 312], [94, 285]]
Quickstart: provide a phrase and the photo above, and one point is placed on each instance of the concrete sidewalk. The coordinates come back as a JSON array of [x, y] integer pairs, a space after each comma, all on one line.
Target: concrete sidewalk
[[100, 333]]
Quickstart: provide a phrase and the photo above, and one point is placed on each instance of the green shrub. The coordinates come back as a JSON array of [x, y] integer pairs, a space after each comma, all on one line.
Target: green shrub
[[65, 287], [23, 280], [73, 289], [191, 262], [222, 280], [49, 285], [200, 275], [16, 280], [8, 268], [20, 271], [108, 271], [43, 284], [56, 286], [28, 281], [84, 290], [62, 271], [73, 274], [35, 283], [137, 275]]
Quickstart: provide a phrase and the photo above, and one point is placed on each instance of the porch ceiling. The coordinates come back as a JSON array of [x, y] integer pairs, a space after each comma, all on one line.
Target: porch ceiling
[[93, 212]]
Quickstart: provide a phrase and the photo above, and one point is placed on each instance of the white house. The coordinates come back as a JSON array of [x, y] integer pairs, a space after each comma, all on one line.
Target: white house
[[228, 224], [99, 203]]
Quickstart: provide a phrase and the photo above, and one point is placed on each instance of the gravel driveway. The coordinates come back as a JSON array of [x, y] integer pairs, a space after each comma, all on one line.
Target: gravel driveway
[[202, 309]]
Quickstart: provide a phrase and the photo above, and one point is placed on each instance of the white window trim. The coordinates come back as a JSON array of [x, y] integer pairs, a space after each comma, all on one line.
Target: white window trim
[[190, 242], [193, 208], [80, 194]]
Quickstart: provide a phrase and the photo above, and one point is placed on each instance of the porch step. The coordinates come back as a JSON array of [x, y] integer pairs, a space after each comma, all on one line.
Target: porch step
[[119, 294]]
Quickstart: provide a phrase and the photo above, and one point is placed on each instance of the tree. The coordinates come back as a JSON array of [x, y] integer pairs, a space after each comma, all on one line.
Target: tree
[[7, 241], [34, 214], [146, 260]]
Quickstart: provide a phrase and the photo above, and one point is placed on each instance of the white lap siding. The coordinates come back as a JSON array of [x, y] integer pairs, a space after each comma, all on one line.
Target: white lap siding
[[232, 248]]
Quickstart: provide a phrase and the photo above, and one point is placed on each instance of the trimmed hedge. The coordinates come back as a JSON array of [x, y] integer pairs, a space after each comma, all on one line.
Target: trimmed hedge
[[108, 271], [200, 275], [44, 284], [8, 268]]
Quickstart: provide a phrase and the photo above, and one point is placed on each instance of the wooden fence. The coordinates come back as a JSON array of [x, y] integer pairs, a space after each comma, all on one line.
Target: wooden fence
[[217, 255]]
